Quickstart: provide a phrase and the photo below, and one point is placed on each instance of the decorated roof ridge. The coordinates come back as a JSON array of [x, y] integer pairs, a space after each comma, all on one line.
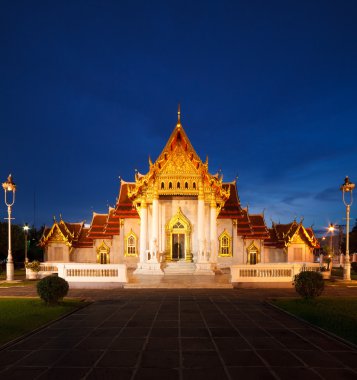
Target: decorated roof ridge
[[98, 214], [62, 231], [261, 216], [178, 151], [234, 182], [293, 228], [123, 182], [176, 135]]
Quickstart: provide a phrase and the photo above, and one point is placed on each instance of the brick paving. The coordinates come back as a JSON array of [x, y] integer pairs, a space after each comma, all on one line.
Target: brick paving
[[179, 334]]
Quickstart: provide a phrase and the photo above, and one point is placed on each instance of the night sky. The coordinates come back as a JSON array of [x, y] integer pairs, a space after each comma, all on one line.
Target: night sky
[[89, 90]]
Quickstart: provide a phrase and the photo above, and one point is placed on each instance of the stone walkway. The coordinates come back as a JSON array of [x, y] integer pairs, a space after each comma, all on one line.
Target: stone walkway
[[179, 334]]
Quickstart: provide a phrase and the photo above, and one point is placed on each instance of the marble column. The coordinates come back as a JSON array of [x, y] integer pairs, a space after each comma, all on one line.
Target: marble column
[[155, 216], [200, 223], [213, 229], [143, 230], [155, 225]]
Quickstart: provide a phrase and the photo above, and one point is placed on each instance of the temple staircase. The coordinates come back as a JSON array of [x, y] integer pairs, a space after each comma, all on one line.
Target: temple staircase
[[179, 268]]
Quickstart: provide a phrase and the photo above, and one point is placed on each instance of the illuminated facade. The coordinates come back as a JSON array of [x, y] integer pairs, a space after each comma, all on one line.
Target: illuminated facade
[[176, 218]]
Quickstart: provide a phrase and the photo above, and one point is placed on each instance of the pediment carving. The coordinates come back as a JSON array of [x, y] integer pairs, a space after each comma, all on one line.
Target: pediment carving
[[179, 163]]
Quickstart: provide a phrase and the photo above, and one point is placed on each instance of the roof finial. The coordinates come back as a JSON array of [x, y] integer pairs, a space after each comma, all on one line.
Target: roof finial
[[179, 115]]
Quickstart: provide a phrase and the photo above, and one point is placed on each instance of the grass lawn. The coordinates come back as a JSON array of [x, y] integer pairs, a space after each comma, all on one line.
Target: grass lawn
[[337, 315], [19, 316]]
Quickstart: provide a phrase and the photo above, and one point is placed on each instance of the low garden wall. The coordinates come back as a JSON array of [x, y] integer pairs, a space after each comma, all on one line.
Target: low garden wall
[[281, 274], [92, 275]]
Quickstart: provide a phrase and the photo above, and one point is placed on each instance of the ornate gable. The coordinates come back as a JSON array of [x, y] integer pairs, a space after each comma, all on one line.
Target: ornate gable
[[178, 171], [179, 163], [57, 235]]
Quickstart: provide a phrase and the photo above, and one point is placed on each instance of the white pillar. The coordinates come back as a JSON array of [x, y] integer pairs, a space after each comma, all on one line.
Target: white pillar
[[143, 230], [235, 246], [213, 229], [10, 262], [155, 217], [347, 266], [200, 222]]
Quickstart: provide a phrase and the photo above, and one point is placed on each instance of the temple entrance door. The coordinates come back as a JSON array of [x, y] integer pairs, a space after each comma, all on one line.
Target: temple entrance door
[[103, 256], [178, 235], [178, 246]]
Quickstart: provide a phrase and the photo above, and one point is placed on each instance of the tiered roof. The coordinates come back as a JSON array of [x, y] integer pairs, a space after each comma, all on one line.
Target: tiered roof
[[104, 226], [180, 166], [232, 208], [251, 226], [178, 163], [282, 235], [74, 235], [124, 207]]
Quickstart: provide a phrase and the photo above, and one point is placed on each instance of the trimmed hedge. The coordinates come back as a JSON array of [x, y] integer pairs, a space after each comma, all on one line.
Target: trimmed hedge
[[309, 284], [52, 289]]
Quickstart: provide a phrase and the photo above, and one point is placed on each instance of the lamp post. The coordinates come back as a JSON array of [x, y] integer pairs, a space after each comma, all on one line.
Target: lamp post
[[26, 232], [347, 187], [331, 230], [9, 187]]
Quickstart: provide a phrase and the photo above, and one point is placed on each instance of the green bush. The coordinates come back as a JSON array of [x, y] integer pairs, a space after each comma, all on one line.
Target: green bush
[[309, 284], [52, 289], [35, 265], [354, 266]]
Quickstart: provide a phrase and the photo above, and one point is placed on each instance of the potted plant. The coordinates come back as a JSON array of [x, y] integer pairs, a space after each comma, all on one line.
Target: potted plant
[[32, 269], [326, 273]]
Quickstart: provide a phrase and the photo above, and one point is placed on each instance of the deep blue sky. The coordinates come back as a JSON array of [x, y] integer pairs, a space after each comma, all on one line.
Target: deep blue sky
[[268, 90]]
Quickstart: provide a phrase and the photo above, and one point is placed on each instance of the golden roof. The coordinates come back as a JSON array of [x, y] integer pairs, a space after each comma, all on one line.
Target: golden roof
[[178, 171]]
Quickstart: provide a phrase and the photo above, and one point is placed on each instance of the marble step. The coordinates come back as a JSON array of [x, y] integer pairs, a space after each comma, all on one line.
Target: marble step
[[179, 267]]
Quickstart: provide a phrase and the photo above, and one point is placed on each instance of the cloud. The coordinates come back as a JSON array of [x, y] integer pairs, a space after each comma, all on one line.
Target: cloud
[[291, 199], [328, 195]]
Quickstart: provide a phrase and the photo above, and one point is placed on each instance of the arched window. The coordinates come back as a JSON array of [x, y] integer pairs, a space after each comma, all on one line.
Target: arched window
[[162, 185], [178, 185], [194, 185], [186, 185], [131, 248], [253, 255], [225, 244], [170, 185]]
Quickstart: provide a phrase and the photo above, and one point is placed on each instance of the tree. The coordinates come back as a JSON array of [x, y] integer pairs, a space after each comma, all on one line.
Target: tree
[[34, 252]]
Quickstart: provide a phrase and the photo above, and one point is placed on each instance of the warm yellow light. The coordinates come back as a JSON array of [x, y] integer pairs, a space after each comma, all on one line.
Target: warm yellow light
[[331, 228], [9, 184]]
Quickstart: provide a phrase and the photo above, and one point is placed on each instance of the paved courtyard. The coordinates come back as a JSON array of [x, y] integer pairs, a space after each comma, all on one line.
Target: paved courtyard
[[178, 334]]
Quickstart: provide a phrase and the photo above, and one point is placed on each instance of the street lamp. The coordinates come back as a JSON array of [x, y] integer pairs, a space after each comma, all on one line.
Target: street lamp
[[347, 187], [26, 232], [331, 230], [9, 187]]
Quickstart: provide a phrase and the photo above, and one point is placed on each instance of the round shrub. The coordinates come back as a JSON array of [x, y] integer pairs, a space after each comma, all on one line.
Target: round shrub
[[52, 289], [309, 284]]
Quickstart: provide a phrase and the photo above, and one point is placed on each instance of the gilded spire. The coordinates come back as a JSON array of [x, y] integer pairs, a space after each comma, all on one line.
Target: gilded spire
[[178, 115]]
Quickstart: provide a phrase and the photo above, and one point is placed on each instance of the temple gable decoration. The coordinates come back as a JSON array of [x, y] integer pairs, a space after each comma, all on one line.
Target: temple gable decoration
[[283, 235], [58, 233], [178, 171]]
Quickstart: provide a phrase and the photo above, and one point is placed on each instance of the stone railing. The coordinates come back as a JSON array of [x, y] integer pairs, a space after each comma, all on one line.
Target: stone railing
[[46, 269], [85, 272], [274, 272]]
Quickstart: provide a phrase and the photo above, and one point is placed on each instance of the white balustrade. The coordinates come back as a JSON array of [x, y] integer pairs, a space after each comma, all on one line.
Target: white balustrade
[[275, 272], [83, 272]]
